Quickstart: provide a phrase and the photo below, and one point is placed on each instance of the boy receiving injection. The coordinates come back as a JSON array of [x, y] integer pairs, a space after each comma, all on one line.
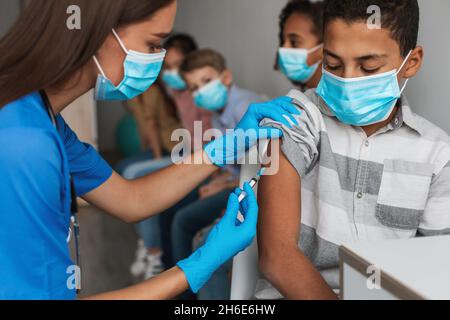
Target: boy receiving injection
[[362, 165]]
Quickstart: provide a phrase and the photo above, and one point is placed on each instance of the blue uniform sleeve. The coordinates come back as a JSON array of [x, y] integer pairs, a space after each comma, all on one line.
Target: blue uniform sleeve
[[88, 169]]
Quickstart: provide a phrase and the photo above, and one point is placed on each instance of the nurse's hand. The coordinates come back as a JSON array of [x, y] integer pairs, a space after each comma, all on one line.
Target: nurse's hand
[[227, 239], [232, 146]]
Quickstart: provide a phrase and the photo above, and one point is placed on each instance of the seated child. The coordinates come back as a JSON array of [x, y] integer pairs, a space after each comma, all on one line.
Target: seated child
[[301, 36], [211, 83], [362, 165]]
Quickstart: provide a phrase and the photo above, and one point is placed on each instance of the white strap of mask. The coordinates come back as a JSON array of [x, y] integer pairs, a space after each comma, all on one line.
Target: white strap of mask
[[404, 86], [99, 66], [121, 44], [404, 62], [401, 67], [315, 48], [120, 41]]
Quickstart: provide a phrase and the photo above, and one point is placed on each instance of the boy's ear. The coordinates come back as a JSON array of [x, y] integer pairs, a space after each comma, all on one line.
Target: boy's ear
[[227, 78], [414, 64]]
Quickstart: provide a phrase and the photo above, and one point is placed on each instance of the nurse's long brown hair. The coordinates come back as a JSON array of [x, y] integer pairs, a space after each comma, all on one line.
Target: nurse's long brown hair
[[40, 51]]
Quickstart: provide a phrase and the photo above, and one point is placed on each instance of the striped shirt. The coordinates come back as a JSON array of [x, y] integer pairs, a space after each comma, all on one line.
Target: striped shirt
[[392, 185]]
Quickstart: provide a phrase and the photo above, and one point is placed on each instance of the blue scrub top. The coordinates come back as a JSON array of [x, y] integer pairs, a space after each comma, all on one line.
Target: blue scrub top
[[36, 161]]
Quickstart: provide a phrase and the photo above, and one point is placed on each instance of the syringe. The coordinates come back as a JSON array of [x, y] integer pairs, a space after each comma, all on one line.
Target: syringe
[[253, 182]]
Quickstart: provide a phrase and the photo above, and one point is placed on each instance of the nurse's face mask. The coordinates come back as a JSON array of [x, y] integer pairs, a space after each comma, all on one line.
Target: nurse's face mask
[[140, 71], [293, 63], [362, 101]]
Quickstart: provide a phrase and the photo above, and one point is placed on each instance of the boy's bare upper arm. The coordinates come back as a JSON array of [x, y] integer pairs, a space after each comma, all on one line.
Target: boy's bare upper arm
[[280, 206]]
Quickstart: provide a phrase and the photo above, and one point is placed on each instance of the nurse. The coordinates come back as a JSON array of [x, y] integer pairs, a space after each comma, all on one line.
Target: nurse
[[44, 66]]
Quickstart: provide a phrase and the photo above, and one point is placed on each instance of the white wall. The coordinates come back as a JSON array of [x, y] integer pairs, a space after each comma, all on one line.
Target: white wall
[[9, 9], [246, 32], [430, 91]]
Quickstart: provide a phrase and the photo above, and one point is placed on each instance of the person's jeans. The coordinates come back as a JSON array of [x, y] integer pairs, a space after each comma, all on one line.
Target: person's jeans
[[193, 218], [124, 164], [142, 168], [150, 232], [165, 223]]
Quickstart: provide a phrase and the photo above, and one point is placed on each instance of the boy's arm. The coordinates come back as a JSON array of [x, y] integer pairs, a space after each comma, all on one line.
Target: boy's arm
[[281, 260]]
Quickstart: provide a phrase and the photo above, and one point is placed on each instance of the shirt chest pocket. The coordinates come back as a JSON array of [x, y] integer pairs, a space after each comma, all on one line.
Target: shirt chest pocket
[[403, 193]]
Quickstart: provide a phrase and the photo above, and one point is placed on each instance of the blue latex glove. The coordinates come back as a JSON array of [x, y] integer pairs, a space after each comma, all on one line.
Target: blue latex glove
[[233, 146], [227, 239]]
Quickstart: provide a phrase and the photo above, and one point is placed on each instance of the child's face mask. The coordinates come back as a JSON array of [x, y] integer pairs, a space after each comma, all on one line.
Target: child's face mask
[[173, 80], [361, 101], [212, 97], [293, 64]]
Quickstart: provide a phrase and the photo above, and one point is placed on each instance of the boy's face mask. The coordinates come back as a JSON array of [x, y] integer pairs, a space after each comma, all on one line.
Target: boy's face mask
[[173, 80], [293, 64], [140, 71], [361, 101], [212, 97]]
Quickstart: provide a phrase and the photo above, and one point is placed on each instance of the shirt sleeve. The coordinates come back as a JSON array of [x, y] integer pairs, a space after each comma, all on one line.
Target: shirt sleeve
[[88, 169], [301, 143], [436, 218]]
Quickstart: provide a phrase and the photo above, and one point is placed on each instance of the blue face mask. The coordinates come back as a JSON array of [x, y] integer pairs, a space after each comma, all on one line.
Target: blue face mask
[[173, 80], [212, 97], [140, 71], [361, 101], [293, 64]]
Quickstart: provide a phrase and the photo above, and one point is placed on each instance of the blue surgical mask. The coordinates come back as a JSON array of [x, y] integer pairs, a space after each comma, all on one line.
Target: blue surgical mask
[[173, 80], [140, 71], [212, 97], [361, 101], [293, 64]]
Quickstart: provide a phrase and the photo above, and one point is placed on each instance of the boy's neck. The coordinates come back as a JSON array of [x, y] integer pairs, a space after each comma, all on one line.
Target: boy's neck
[[314, 81], [372, 129]]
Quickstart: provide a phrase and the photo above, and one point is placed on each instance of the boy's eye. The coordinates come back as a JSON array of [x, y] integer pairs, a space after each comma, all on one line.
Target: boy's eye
[[370, 71], [295, 44], [332, 67]]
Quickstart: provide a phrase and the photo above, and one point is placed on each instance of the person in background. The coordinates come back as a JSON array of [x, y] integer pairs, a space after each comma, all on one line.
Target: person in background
[[211, 83], [157, 113], [173, 103], [300, 54], [157, 119], [178, 47]]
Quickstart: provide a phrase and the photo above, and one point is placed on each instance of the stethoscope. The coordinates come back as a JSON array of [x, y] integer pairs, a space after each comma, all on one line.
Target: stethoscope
[[73, 195]]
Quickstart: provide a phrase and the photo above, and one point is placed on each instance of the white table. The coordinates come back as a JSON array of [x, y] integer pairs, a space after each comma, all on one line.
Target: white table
[[416, 268]]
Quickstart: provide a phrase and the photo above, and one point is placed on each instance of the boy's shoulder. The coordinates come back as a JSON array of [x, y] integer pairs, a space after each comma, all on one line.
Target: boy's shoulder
[[241, 94], [437, 140], [429, 130]]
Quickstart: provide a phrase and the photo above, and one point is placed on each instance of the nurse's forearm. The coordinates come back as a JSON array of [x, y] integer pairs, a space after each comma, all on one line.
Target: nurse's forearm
[[136, 200], [166, 286], [165, 188]]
